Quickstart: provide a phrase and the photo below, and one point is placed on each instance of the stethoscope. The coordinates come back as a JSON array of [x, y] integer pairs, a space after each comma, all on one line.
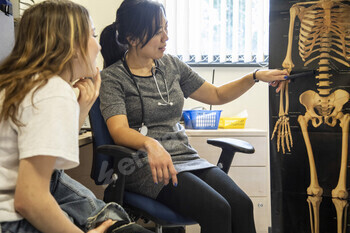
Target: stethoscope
[[144, 129]]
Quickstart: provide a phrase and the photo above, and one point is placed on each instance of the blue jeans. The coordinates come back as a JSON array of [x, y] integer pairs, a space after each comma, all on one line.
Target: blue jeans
[[77, 202]]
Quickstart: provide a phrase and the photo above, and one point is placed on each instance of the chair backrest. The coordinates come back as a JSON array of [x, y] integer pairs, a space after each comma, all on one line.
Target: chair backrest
[[102, 165]]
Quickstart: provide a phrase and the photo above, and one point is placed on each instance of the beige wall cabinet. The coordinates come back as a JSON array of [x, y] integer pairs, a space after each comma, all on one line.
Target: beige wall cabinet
[[249, 171]]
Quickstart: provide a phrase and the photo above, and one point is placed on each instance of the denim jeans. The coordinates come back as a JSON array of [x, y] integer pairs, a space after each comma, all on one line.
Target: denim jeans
[[77, 202]]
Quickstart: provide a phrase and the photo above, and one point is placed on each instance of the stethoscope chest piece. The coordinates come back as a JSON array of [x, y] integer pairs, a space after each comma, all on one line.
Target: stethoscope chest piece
[[143, 130]]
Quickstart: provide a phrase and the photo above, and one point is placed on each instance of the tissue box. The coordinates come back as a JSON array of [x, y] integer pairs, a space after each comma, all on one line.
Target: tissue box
[[232, 122]]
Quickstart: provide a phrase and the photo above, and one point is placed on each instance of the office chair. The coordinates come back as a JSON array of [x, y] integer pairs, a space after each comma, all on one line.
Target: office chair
[[108, 158]]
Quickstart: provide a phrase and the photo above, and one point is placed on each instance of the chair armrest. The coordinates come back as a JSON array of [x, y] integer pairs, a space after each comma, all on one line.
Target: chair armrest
[[232, 144], [229, 147], [120, 153], [116, 151]]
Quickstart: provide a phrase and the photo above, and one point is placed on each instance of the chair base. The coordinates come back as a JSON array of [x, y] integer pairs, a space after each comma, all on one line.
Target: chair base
[[159, 229]]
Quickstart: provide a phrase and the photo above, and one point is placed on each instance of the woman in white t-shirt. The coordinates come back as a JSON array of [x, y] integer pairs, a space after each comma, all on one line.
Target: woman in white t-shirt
[[40, 118]]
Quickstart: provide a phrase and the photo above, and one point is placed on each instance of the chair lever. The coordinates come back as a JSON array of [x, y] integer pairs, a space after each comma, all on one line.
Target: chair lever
[[115, 190]]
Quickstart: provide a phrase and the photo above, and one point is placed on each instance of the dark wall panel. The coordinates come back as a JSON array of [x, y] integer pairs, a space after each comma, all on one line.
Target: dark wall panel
[[290, 172]]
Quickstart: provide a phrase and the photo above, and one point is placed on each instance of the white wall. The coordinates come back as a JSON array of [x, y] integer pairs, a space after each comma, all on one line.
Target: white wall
[[102, 14], [7, 35], [255, 101]]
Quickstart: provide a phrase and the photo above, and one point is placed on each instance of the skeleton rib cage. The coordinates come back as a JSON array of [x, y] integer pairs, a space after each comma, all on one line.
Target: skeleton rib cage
[[322, 27]]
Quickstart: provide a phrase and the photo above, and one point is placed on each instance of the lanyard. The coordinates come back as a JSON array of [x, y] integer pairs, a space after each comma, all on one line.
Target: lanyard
[[143, 129]]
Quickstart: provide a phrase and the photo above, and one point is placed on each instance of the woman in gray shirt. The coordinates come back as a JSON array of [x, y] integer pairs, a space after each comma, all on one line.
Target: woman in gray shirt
[[142, 97]]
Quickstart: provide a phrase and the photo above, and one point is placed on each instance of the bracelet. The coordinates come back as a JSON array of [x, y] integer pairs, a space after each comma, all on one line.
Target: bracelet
[[254, 75]]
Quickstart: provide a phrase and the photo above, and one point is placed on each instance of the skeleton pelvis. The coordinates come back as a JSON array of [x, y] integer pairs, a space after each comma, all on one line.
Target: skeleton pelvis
[[324, 109]]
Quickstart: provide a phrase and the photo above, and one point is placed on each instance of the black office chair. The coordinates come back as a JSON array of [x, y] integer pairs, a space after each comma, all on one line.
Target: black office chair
[[107, 157]]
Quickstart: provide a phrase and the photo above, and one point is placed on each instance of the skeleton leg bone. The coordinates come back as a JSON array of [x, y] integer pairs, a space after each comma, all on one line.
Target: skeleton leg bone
[[341, 206], [314, 190], [314, 207], [311, 100], [339, 194]]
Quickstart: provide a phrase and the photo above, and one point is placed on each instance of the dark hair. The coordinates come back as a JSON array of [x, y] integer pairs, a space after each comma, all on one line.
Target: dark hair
[[135, 20]]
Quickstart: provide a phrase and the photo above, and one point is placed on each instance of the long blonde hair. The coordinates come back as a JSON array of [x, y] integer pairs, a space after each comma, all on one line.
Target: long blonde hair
[[49, 35]]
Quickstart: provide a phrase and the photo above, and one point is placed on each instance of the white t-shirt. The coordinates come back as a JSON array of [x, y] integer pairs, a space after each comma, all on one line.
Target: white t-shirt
[[51, 129]]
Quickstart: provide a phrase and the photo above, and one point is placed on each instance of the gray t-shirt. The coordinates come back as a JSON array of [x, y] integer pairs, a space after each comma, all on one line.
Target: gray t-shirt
[[120, 96]]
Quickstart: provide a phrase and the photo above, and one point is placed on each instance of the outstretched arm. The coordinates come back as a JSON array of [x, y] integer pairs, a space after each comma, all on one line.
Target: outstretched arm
[[211, 94]]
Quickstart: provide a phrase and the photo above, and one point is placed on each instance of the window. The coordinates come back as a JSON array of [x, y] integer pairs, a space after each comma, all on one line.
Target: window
[[218, 31], [24, 5]]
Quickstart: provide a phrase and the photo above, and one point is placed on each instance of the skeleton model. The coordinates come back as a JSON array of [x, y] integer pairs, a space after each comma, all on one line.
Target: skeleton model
[[324, 36]]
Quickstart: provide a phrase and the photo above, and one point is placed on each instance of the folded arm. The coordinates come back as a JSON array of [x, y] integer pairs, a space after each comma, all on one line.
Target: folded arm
[[34, 202], [33, 199], [159, 159]]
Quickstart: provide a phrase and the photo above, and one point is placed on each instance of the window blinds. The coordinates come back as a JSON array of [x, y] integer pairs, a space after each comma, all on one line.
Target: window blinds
[[218, 31]]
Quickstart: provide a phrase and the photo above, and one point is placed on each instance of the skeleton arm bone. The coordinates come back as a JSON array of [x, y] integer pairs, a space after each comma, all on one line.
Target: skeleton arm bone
[[307, 3], [282, 127], [287, 132], [288, 63], [278, 124]]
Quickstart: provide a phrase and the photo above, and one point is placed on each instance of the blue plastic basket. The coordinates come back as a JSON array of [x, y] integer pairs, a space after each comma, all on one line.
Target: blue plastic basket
[[201, 119]]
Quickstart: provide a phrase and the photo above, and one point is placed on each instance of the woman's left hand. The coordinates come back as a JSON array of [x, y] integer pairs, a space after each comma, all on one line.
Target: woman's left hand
[[271, 75], [89, 89]]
